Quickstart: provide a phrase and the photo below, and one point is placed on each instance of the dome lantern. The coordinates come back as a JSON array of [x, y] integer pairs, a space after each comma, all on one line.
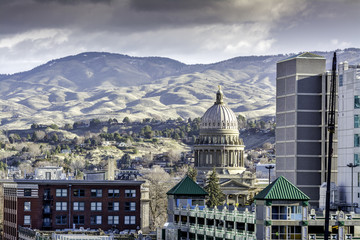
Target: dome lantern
[[219, 96]]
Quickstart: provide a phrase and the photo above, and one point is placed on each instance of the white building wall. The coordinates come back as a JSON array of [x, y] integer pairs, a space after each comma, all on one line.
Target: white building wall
[[349, 87]]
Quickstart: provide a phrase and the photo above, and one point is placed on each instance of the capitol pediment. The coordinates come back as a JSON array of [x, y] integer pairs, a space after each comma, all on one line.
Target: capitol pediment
[[231, 183]]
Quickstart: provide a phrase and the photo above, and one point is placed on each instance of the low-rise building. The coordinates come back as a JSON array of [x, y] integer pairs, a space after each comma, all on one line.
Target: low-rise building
[[282, 211], [70, 204]]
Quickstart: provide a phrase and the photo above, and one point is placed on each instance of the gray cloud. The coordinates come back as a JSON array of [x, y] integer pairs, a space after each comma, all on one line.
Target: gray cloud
[[91, 15], [191, 31]]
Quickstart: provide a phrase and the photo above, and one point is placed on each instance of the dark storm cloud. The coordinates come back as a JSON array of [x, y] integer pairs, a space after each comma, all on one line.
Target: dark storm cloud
[[75, 2], [92, 15], [172, 5], [192, 31], [187, 30]]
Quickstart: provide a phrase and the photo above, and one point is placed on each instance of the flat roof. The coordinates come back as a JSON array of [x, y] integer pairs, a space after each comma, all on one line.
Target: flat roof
[[303, 55], [75, 182]]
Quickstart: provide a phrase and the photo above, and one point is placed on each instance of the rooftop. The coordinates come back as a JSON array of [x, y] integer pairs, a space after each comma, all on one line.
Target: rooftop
[[281, 189], [187, 187], [77, 182], [303, 55]]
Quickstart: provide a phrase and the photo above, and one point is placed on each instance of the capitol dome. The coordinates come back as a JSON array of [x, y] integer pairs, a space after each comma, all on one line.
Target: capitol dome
[[219, 116]]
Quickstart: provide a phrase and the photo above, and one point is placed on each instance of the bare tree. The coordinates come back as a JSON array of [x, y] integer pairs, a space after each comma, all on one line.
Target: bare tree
[[174, 156], [159, 182], [39, 135], [77, 165], [267, 146], [34, 150], [26, 168]]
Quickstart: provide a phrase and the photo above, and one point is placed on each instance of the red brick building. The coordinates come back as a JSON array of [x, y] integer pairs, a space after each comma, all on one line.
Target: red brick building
[[67, 204]]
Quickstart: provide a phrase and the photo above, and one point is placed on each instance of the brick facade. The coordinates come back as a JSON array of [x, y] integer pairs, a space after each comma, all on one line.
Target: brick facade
[[64, 204]]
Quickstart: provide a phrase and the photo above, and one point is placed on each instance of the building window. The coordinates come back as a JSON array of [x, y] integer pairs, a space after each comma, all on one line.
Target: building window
[[356, 158], [279, 212], [61, 206], [130, 206], [113, 206], [79, 193], [96, 206], [47, 222], [356, 101], [356, 140], [129, 220], [48, 175], [130, 193], [47, 195], [113, 193], [341, 80], [27, 192], [27, 220], [198, 202], [96, 192], [358, 179], [79, 206], [286, 213], [356, 121], [47, 208], [283, 232], [113, 220], [27, 206], [61, 192], [95, 220], [60, 220], [78, 219]]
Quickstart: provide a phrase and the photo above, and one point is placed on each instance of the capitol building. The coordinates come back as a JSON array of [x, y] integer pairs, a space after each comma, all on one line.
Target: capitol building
[[219, 146]]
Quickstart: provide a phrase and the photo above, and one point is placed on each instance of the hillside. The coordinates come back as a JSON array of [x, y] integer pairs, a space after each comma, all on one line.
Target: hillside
[[106, 85]]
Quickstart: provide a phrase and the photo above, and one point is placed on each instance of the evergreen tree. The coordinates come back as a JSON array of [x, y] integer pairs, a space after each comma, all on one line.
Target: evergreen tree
[[55, 137], [126, 120], [216, 197], [192, 173]]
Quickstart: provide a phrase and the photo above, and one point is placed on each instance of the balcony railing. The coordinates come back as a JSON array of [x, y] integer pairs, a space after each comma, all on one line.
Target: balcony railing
[[223, 214]]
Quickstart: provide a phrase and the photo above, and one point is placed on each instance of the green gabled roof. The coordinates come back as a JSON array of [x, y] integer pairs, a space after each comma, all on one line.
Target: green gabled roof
[[303, 55], [187, 187], [281, 189]]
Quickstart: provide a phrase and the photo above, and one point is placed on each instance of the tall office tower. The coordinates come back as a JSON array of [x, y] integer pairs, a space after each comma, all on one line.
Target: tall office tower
[[349, 132], [301, 133]]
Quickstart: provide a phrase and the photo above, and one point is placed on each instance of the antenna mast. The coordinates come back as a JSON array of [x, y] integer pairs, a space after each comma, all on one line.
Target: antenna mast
[[331, 129]]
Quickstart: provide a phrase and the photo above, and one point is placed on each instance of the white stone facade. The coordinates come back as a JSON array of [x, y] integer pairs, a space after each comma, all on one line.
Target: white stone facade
[[349, 132]]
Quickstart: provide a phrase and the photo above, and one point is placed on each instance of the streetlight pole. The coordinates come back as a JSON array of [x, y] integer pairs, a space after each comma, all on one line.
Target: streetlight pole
[[269, 167], [352, 166]]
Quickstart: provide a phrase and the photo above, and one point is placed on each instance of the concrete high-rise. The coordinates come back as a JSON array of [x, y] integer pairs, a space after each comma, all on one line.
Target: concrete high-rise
[[349, 133], [301, 120]]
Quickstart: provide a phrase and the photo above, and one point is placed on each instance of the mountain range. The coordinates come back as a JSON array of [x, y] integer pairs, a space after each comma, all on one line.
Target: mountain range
[[107, 85]]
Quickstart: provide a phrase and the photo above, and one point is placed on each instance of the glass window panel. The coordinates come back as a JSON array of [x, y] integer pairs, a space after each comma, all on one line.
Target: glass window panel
[[356, 140], [27, 206], [356, 102], [356, 121]]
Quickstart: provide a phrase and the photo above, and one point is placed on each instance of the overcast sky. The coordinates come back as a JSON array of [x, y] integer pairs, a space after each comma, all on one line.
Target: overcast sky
[[33, 32]]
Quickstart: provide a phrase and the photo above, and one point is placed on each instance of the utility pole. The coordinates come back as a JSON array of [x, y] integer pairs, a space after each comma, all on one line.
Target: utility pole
[[269, 167], [352, 166], [331, 129]]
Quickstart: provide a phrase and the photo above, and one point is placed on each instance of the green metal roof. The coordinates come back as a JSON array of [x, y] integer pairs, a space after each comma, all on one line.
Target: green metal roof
[[187, 187], [281, 189], [303, 55]]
